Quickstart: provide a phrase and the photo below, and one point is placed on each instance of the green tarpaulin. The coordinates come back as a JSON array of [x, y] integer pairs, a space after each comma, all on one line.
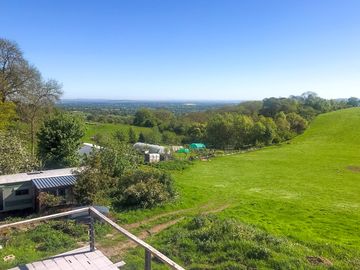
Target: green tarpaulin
[[197, 146], [183, 150]]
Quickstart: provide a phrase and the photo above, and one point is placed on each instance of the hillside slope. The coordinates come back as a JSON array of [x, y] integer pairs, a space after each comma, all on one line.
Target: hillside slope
[[307, 190]]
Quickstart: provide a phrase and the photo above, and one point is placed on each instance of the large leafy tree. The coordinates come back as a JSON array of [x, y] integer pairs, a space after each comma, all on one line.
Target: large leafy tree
[[23, 85], [59, 140], [14, 155], [15, 71], [36, 102]]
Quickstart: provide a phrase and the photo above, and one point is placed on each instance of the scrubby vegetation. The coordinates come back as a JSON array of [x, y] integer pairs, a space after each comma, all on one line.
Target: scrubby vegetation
[[209, 242], [144, 188]]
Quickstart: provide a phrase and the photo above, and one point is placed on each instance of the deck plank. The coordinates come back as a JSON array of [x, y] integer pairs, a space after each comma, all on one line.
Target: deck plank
[[79, 259]]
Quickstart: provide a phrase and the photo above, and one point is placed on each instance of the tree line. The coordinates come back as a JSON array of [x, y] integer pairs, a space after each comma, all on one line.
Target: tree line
[[248, 124]]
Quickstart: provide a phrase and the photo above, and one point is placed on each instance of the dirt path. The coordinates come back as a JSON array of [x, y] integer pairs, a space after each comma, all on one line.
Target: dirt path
[[148, 220], [122, 247]]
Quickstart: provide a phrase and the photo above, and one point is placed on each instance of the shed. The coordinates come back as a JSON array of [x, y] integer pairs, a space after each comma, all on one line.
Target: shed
[[151, 148], [152, 158], [87, 148], [197, 146], [19, 191]]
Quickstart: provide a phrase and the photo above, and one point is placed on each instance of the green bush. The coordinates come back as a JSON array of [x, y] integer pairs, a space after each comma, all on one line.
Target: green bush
[[144, 188], [50, 239]]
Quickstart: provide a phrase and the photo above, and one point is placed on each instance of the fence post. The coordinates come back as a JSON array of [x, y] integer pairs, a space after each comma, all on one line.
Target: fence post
[[147, 260], [91, 232]]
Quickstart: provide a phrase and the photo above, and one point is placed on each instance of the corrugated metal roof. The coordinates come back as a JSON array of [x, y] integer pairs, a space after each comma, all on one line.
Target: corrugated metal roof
[[23, 177], [53, 182]]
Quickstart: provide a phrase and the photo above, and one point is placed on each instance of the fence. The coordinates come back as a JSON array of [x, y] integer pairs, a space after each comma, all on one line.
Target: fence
[[93, 213]]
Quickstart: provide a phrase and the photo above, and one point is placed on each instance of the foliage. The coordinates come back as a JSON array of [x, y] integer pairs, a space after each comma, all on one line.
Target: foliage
[[100, 172], [297, 123], [59, 140], [15, 71], [50, 239], [14, 156], [173, 165], [208, 242], [47, 200], [144, 188], [238, 131], [145, 118], [121, 136], [132, 135], [7, 114], [170, 138], [153, 137], [35, 104]]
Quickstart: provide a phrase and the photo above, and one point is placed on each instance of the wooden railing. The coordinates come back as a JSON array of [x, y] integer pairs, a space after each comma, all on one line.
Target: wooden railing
[[93, 213]]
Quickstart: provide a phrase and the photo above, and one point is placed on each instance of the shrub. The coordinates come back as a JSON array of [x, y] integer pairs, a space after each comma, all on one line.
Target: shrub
[[144, 188], [49, 239], [210, 242], [47, 200]]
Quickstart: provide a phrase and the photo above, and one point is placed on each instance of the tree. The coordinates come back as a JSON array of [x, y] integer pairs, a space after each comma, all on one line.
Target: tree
[[145, 118], [141, 137], [15, 71], [283, 126], [353, 102], [219, 131], [121, 136], [40, 98], [270, 130], [154, 136], [257, 133], [14, 156], [132, 135], [297, 123], [196, 133], [242, 130], [169, 137], [59, 140], [7, 114], [102, 170]]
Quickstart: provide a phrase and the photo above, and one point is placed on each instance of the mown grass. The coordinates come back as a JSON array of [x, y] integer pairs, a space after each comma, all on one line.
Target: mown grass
[[303, 191], [107, 129]]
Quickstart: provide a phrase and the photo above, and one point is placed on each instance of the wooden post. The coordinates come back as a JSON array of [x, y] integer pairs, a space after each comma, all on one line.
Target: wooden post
[[91, 232], [147, 260]]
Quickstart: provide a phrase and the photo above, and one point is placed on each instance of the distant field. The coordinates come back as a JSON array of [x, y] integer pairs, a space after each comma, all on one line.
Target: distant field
[[306, 191], [108, 129]]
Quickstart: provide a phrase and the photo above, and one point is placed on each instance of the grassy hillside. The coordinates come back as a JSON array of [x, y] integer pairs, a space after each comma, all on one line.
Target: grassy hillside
[[306, 191], [106, 129]]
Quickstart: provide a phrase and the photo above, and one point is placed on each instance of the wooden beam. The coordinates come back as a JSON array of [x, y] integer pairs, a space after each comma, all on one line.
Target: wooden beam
[[34, 220], [137, 240]]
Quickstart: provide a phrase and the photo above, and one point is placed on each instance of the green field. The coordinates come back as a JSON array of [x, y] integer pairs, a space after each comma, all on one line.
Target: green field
[[306, 191], [107, 129]]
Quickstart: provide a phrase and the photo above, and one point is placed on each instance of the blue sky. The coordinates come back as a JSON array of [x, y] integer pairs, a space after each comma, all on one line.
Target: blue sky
[[190, 49]]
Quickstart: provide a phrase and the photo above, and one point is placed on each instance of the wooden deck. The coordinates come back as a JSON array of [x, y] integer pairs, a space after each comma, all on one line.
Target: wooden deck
[[78, 259], [92, 258]]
